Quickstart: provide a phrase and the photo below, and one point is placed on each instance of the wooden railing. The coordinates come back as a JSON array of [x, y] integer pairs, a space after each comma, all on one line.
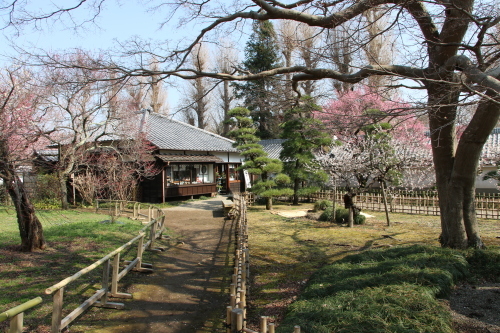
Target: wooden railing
[[236, 315], [119, 207], [110, 263], [16, 315]]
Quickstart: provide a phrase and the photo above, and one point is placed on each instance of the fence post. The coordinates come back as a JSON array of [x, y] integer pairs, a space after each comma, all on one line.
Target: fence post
[[270, 328], [263, 324], [16, 323], [140, 251], [57, 310], [229, 310], [236, 320], [105, 281], [114, 279], [152, 234], [243, 302]]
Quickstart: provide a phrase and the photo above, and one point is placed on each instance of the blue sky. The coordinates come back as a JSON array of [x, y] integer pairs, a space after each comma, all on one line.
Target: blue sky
[[118, 22]]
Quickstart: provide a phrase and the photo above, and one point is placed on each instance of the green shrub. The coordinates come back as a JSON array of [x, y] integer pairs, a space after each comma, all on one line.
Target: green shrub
[[47, 203], [359, 219], [341, 216], [322, 205], [326, 215]]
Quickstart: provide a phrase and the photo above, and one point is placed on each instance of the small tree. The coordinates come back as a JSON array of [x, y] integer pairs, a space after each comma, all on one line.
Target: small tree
[[377, 142], [304, 135], [18, 133], [113, 171], [256, 160]]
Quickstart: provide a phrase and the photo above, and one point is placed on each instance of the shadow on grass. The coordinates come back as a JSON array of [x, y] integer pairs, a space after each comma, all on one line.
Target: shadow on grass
[[390, 290], [70, 247]]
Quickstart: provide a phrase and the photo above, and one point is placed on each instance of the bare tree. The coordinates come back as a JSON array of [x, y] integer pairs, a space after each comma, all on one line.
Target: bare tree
[[135, 89], [445, 53], [309, 55], [197, 104], [226, 62], [379, 49], [113, 171], [287, 40], [156, 95], [78, 104], [340, 50]]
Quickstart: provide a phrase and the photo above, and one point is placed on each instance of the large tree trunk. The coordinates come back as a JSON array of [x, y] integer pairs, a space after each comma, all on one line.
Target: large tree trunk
[[456, 168], [30, 227]]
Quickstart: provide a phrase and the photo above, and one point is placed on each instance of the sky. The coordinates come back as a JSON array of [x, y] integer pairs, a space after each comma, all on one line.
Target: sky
[[118, 22]]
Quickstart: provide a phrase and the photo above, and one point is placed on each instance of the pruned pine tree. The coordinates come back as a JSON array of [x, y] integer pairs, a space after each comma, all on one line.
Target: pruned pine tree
[[261, 96], [304, 136], [271, 181]]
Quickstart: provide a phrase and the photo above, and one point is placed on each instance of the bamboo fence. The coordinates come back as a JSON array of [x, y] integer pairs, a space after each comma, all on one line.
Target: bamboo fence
[[111, 264], [408, 202], [236, 312], [16, 315]]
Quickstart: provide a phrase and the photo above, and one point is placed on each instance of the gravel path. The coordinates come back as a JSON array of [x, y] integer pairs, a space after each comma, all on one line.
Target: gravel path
[[188, 290]]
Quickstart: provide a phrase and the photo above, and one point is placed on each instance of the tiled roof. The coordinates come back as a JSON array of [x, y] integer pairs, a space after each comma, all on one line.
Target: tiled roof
[[189, 158], [166, 133], [48, 155], [272, 147]]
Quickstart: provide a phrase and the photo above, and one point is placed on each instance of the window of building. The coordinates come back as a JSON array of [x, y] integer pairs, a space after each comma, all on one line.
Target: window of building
[[188, 174]]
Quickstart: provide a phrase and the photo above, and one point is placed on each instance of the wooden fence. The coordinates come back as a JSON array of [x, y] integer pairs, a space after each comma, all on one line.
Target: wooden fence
[[425, 202], [111, 264], [236, 315], [16, 315]]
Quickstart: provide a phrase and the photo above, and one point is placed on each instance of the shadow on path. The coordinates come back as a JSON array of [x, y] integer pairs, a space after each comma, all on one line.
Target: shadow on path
[[187, 292]]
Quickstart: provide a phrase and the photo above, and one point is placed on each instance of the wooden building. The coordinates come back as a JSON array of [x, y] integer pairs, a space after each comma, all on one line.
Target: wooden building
[[192, 161]]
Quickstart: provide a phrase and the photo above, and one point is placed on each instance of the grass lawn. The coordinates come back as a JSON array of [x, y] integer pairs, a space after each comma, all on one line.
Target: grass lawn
[[285, 251], [75, 239]]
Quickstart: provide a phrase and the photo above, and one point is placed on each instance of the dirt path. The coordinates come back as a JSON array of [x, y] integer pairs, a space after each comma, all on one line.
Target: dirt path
[[188, 290]]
